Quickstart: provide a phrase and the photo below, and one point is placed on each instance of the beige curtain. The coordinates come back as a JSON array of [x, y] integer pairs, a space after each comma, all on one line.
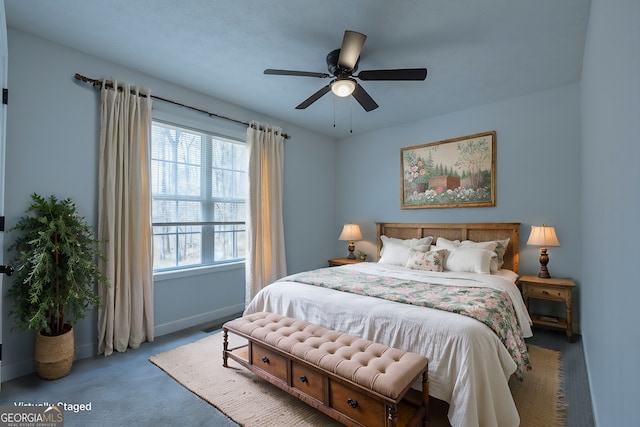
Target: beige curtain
[[124, 219], [265, 258]]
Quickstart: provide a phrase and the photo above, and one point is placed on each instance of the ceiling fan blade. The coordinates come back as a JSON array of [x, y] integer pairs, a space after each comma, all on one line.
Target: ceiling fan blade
[[350, 51], [313, 98], [295, 73], [398, 74], [364, 99]]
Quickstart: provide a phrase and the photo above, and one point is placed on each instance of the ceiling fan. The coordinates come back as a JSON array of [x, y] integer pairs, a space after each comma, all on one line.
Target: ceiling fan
[[342, 64]]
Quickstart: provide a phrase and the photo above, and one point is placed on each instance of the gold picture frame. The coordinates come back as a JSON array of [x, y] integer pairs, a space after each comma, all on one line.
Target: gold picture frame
[[454, 173]]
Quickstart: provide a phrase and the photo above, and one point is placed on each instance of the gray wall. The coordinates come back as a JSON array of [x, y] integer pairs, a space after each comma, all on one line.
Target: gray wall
[[610, 116], [52, 140]]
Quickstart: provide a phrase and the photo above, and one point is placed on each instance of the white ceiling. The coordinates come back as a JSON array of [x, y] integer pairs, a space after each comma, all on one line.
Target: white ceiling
[[476, 51]]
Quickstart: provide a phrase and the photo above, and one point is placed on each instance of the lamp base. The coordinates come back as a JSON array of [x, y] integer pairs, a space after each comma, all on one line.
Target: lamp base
[[544, 273], [351, 247], [544, 260]]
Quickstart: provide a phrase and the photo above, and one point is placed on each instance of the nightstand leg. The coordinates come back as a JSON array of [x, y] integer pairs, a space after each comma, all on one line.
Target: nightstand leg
[[569, 318], [569, 321]]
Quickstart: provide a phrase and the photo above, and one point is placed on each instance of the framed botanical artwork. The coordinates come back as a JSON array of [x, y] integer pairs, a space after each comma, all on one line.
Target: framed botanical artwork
[[455, 173]]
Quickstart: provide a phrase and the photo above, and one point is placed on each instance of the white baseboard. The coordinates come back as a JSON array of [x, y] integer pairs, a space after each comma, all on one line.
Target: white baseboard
[[27, 366], [188, 322], [18, 369]]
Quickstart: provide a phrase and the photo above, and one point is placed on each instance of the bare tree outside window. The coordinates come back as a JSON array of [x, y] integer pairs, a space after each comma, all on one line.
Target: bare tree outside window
[[198, 189]]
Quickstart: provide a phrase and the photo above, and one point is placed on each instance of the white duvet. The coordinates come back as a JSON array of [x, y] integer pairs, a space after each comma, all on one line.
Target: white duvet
[[469, 367]]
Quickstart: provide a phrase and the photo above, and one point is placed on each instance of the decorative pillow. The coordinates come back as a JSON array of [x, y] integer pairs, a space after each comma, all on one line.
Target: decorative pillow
[[469, 259], [500, 250], [426, 260], [396, 251]]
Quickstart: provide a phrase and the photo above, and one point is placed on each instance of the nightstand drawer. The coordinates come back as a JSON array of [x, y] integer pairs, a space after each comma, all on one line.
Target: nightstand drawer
[[547, 292]]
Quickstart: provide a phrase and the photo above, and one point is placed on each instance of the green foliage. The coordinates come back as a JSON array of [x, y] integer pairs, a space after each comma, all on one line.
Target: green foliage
[[56, 266]]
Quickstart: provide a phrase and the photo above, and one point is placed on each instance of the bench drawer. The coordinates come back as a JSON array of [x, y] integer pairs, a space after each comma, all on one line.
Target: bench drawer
[[331, 392], [307, 380], [356, 405], [269, 361]]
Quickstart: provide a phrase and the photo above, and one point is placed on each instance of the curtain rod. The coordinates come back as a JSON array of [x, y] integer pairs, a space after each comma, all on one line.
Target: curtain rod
[[98, 83]]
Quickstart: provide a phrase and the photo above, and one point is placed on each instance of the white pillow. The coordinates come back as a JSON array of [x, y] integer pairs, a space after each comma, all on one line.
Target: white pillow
[[408, 242], [426, 260], [498, 246], [447, 244], [396, 251], [483, 245], [469, 259]]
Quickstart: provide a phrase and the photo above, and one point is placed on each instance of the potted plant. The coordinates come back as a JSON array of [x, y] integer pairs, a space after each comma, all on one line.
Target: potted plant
[[55, 275], [417, 172], [362, 255]]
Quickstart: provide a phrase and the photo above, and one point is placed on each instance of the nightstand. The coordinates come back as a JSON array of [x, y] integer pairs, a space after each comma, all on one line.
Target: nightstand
[[551, 289], [334, 262]]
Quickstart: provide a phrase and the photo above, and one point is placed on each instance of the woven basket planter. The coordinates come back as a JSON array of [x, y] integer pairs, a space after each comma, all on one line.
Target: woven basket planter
[[54, 355]]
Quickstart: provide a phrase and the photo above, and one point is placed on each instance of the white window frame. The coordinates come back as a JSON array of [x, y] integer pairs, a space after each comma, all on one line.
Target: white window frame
[[216, 130]]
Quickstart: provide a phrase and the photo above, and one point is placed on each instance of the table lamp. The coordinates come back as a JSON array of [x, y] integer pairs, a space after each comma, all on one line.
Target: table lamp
[[351, 232], [543, 236]]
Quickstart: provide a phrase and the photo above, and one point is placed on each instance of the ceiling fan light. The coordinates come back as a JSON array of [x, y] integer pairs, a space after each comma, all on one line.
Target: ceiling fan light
[[343, 87]]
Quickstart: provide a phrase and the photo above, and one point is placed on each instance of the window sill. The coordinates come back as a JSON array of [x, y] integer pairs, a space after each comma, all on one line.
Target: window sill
[[198, 271]]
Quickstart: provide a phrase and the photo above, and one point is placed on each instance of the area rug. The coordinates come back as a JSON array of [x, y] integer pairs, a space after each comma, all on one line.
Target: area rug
[[253, 402]]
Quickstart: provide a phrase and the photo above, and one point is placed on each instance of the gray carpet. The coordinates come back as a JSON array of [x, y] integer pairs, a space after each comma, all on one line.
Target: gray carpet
[[125, 389]]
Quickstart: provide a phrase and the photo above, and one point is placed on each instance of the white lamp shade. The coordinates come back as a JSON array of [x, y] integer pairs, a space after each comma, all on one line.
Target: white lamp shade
[[350, 232], [543, 236], [343, 88]]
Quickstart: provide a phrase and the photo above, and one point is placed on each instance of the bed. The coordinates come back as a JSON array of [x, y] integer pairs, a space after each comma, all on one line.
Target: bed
[[470, 360]]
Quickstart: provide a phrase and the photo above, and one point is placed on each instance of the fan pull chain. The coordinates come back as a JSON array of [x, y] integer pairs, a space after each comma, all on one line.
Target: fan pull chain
[[351, 114], [334, 111]]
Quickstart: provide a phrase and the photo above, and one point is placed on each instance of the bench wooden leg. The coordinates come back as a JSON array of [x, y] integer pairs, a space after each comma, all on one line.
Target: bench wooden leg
[[225, 347], [425, 397], [392, 416]]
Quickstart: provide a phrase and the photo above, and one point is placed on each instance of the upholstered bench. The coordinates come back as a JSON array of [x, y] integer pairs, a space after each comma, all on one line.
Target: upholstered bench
[[353, 380]]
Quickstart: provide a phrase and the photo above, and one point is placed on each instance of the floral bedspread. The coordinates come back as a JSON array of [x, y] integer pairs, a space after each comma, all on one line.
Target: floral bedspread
[[489, 306]]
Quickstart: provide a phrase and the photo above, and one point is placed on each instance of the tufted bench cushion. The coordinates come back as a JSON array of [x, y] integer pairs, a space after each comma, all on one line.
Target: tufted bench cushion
[[371, 365]]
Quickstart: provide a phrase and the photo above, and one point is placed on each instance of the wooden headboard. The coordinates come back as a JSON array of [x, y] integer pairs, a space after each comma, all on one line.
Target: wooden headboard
[[478, 232]]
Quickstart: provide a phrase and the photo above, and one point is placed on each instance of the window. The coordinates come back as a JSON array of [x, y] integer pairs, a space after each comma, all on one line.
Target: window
[[198, 188]]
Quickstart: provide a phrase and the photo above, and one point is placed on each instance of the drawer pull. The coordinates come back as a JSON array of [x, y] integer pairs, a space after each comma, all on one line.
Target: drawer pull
[[353, 403], [303, 378], [265, 359], [545, 292]]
